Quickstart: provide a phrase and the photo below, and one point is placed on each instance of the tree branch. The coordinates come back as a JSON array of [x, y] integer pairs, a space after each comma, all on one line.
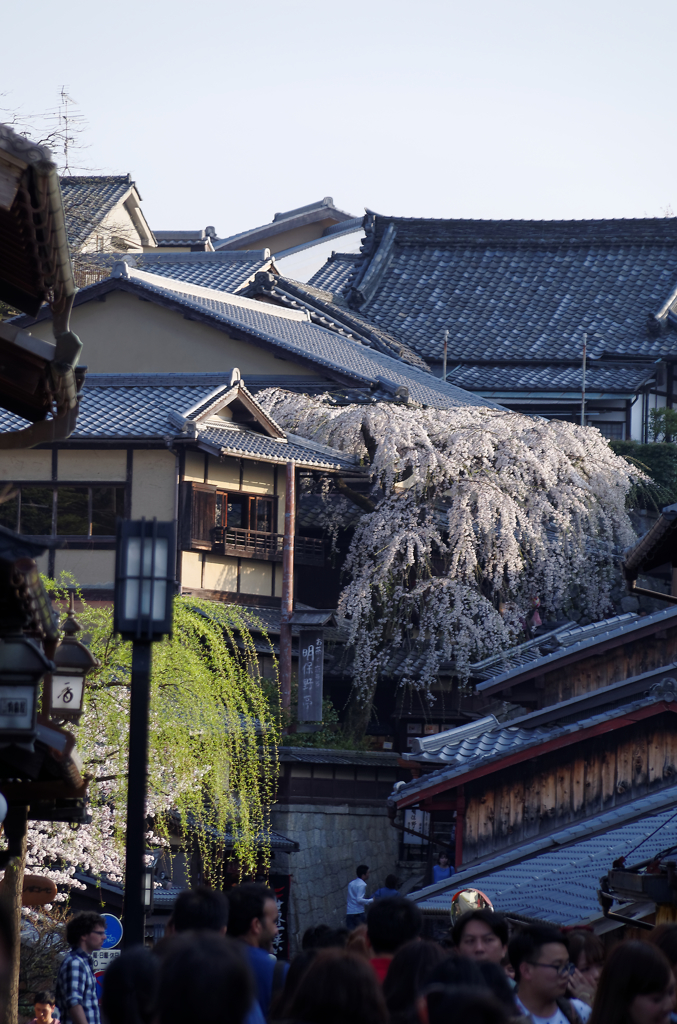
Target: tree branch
[[355, 496]]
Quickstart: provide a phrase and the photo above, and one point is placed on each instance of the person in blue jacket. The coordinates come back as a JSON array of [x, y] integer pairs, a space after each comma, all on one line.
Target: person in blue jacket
[[443, 869], [389, 889]]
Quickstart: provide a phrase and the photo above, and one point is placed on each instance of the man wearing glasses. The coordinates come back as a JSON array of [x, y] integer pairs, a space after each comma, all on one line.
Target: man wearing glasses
[[540, 958], [76, 984]]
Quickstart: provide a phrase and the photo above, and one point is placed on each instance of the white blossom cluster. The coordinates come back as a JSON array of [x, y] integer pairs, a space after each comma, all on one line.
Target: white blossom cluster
[[479, 514]]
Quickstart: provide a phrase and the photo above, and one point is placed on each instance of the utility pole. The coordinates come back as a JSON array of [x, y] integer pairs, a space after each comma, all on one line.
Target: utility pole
[[287, 609], [585, 347], [444, 356], [135, 914]]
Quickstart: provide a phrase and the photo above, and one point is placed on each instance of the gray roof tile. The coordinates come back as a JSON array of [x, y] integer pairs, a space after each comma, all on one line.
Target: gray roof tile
[[622, 378], [463, 754], [336, 274], [582, 639], [553, 882], [224, 271], [518, 289], [301, 337], [120, 406], [87, 199]]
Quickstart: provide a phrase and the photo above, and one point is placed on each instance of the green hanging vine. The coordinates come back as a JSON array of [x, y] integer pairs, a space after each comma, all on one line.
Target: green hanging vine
[[212, 745]]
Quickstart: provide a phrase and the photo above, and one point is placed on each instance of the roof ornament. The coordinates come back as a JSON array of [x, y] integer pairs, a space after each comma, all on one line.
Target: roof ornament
[[235, 377], [120, 269], [667, 689]]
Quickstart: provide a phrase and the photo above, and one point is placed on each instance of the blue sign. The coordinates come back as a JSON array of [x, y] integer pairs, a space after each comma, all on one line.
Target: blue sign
[[113, 931]]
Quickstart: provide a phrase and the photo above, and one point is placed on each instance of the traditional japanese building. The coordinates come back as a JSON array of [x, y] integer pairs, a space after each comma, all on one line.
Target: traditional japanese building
[[516, 300]]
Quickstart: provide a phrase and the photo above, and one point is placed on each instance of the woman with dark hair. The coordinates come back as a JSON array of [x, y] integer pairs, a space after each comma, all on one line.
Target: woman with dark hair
[[586, 952], [207, 975], [636, 986], [407, 975], [130, 988], [280, 1005], [497, 982], [338, 988], [463, 1004], [457, 970]]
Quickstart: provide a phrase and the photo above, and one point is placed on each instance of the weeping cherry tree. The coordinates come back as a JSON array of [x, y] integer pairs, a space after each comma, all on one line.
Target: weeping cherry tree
[[473, 514]]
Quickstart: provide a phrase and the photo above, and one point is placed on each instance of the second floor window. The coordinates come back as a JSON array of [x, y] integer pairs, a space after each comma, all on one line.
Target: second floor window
[[244, 512], [43, 510]]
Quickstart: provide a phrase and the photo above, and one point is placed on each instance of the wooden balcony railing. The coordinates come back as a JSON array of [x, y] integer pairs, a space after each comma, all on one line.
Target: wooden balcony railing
[[267, 547]]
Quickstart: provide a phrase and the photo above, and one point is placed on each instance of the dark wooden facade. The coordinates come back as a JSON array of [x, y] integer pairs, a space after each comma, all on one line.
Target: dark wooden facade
[[581, 672], [541, 790]]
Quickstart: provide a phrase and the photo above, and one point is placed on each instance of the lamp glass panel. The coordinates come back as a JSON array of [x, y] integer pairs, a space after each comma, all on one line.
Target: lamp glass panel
[[139, 586], [67, 692], [16, 707]]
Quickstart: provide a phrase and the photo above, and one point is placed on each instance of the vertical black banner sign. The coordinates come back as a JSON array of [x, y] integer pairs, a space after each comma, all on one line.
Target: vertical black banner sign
[[311, 664]]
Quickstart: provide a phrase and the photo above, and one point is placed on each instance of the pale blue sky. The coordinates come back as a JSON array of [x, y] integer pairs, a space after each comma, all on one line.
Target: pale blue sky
[[225, 112]]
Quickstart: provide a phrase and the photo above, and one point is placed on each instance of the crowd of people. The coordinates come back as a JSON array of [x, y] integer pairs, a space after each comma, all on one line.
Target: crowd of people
[[216, 961]]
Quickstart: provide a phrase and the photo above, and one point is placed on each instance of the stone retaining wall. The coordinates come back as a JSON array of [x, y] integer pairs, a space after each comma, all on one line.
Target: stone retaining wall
[[332, 841]]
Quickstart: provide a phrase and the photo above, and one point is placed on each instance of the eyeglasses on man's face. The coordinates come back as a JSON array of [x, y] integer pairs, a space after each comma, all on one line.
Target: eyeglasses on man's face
[[96, 932], [562, 969]]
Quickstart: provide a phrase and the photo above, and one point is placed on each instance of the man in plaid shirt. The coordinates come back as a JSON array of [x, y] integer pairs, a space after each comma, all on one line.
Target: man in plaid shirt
[[76, 984]]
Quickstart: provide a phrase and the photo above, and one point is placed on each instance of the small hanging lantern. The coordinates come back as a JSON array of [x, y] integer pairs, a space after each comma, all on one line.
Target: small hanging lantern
[[73, 661]]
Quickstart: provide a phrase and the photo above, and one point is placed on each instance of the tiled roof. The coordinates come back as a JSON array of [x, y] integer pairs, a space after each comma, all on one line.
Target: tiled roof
[[337, 273], [312, 510], [121, 406], [464, 754], [184, 238], [293, 332], [612, 630], [287, 221], [519, 289], [258, 446], [87, 199], [600, 377], [339, 319], [556, 878], [224, 271], [564, 635]]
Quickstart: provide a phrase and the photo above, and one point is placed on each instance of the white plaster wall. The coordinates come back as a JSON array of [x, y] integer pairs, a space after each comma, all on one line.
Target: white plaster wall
[[219, 573], [92, 465], [190, 572], [257, 477], [194, 467], [154, 485], [224, 472], [125, 335], [256, 577], [26, 464], [90, 568]]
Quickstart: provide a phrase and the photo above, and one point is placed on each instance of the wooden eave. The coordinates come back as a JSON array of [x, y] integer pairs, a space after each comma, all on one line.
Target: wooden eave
[[492, 767]]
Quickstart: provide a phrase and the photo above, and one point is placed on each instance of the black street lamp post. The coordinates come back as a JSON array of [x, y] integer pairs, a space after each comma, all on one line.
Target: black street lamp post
[[144, 591]]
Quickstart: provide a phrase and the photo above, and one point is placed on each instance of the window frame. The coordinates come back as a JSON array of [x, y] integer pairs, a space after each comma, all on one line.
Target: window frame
[[89, 540]]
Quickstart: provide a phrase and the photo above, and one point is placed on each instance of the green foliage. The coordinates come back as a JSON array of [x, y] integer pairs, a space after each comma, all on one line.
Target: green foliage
[[213, 739], [659, 462], [663, 424]]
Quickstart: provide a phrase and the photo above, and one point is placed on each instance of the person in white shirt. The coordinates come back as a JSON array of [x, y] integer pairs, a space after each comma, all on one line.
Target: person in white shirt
[[540, 957], [357, 902]]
